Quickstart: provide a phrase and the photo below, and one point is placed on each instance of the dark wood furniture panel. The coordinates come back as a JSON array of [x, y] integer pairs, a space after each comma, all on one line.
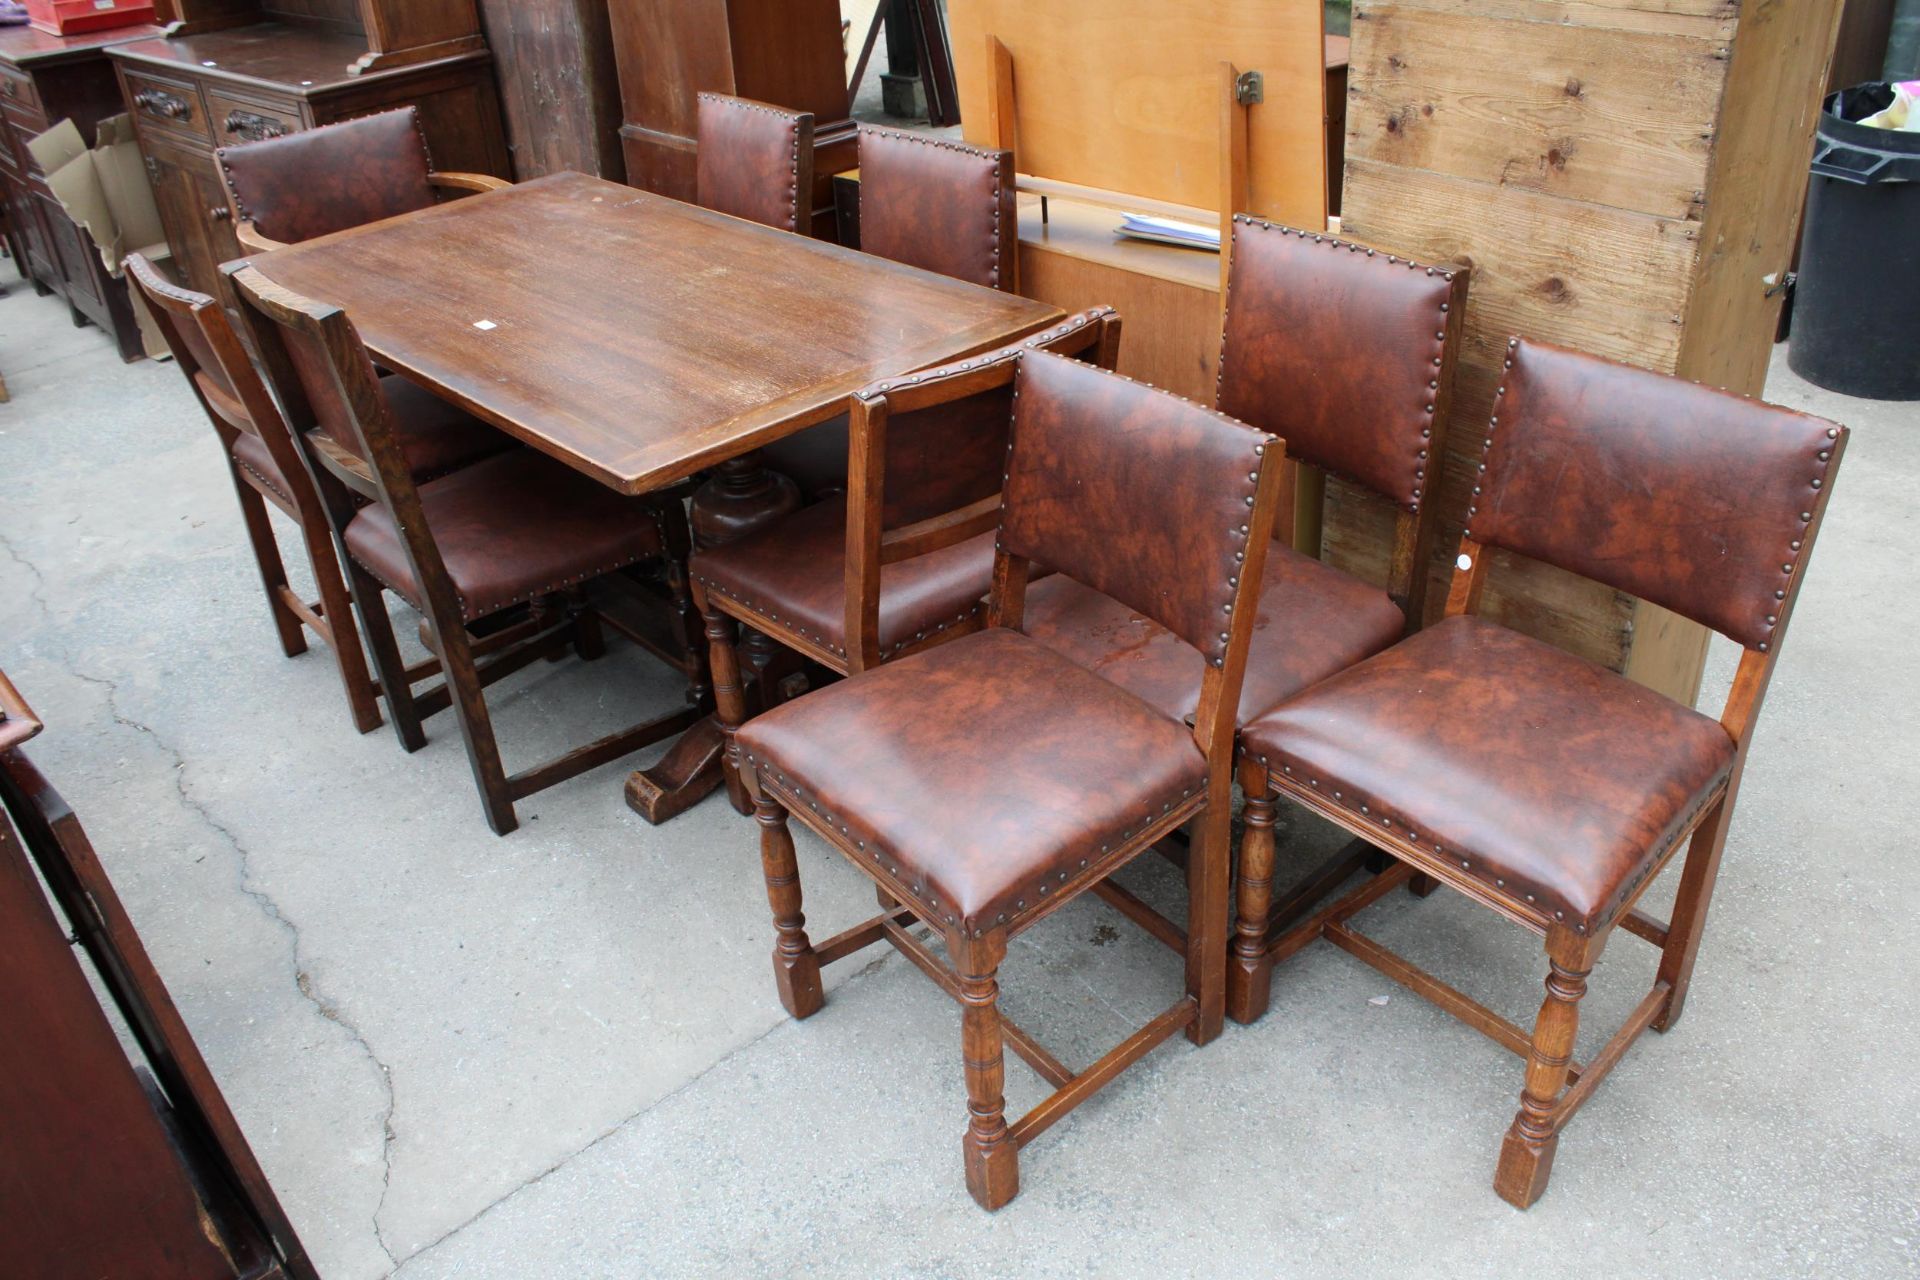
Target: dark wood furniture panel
[[43, 80], [786, 52], [232, 85], [121, 1156], [559, 89]]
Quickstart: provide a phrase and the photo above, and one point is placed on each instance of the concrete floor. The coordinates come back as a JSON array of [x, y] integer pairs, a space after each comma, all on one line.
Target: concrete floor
[[559, 1054]]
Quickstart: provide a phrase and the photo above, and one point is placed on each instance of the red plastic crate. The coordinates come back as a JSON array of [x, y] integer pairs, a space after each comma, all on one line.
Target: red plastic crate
[[71, 17]]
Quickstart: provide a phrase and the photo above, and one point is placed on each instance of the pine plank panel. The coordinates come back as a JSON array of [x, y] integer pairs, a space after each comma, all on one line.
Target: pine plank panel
[[1608, 116], [1706, 19]]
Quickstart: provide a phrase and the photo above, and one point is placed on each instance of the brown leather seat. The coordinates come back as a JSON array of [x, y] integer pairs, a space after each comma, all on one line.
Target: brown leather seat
[[510, 528], [1313, 622], [1540, 773], [988, 771], [437, 438], [795, 573]]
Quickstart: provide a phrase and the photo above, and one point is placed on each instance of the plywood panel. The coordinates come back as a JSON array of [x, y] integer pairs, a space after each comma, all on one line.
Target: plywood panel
[[1125, 94], [1608, 116]]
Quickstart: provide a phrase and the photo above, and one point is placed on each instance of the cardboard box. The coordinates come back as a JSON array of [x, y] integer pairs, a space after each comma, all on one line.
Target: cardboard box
[[71, 17], [106, 191]]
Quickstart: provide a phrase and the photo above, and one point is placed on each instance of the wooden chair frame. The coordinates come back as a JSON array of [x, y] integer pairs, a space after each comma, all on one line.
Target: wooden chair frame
[[1556, 1085], [548, 626], [253, 241], [871, 546], [969, 975], [255, 413]]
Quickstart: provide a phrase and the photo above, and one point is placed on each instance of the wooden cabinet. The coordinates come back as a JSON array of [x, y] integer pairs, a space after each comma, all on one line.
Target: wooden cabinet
[[787, 52], [45, 79], [221, 84]]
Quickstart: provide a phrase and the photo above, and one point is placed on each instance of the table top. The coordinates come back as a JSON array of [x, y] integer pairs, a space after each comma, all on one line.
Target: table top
[[634, 337]]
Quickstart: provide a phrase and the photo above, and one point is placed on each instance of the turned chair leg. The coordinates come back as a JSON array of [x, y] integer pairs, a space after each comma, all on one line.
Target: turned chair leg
[[1689, 918], [273, 572], [1209, 877], [796, 969], [729, 697], [1250, 970], [1526, 1155], [369, 602], [992, 1158]]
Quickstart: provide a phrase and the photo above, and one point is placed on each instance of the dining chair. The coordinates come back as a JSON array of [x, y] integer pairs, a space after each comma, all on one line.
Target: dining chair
[[1539, 784], [264, 464], [1347, 353], [927, 202], [984, 784], [903, 560], [755, 162], [281, 191], [517, 529]]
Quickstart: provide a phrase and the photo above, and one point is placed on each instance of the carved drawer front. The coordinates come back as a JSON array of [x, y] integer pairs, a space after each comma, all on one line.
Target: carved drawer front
[[237, 121], [18, 90], [168, 106], [24, 123]]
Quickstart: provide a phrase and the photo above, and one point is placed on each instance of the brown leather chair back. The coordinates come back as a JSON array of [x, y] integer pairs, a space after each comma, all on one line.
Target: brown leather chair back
[[1134, 492], [938, 205], [324, 180], [1697, 500], [756, 162], [1341, 350]]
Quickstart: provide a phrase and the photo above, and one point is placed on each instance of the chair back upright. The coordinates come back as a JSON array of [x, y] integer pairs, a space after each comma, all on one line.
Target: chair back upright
[[755, 162], [319, 181], [939, 205], [927, 457], [1347, 354], [1700, 501], [223, 377], [314, 359], [1163, 505]]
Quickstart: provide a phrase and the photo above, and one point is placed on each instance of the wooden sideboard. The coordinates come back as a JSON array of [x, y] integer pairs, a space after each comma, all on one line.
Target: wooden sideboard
[[224, 80], [787, 52], [44, 79]]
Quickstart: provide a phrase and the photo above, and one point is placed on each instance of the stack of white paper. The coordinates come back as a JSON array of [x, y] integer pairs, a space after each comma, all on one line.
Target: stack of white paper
[[1188, 235]]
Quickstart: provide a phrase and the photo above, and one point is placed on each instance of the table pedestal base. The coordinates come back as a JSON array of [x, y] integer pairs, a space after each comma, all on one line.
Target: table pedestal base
[[742, 497]]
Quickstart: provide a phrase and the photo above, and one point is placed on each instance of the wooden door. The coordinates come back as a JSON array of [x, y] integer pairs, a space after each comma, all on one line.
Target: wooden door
[[187, 191]]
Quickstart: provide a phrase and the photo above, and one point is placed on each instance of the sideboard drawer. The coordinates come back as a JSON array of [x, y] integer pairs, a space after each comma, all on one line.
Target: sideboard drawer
[[238, 121], [170, 106], [18, 89]]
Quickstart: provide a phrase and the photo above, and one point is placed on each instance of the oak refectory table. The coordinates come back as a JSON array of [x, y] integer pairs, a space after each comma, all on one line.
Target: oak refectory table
[[643, 341]]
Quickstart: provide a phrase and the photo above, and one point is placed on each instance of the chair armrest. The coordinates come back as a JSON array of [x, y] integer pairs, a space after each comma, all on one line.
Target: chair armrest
[[17, 720], [468, 181], [252, 241]]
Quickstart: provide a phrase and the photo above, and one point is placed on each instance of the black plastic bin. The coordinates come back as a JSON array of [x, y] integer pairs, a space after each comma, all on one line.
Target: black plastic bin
[[1856, 306]]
